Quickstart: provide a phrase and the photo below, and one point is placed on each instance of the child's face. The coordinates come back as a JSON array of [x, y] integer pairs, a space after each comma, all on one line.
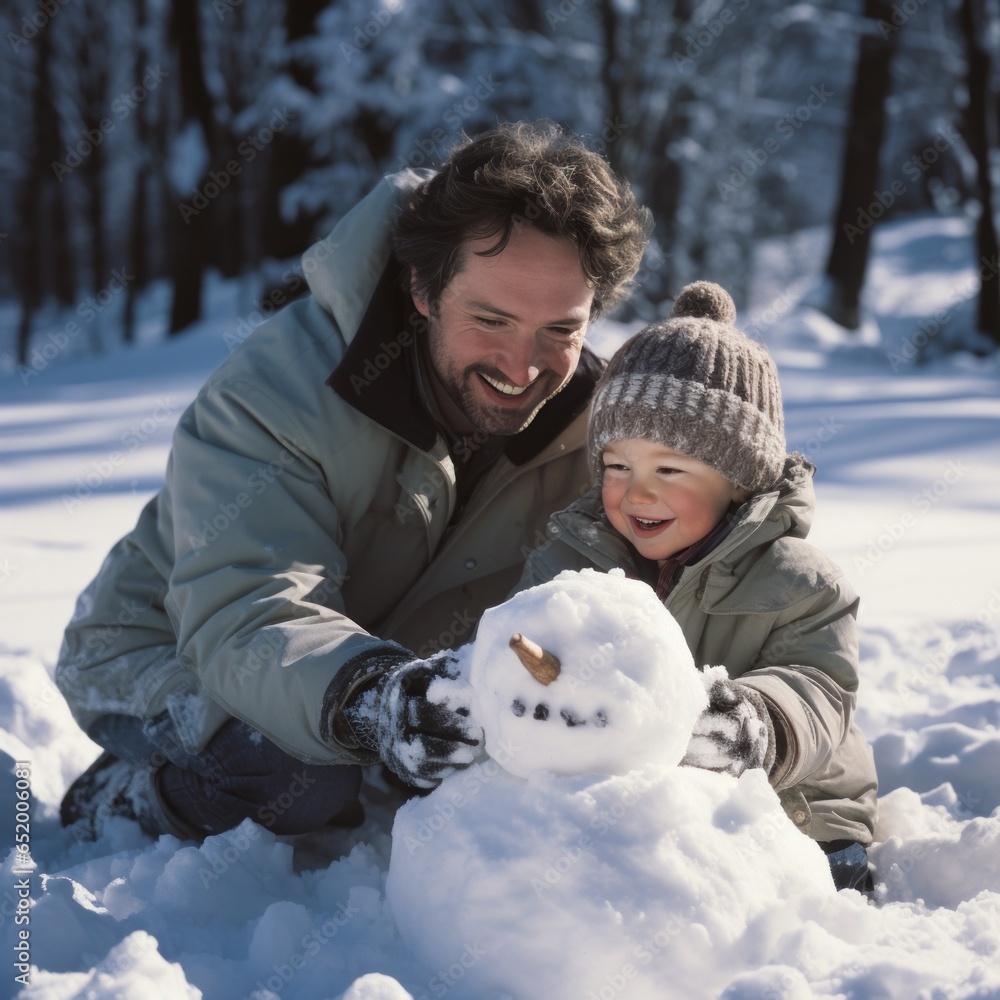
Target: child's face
[[661, 500]]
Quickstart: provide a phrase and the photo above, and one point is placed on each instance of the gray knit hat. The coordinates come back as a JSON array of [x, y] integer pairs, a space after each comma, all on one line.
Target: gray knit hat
[[699, 386]]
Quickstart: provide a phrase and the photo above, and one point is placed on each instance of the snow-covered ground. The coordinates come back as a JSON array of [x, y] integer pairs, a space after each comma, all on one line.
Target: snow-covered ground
[[907, 487]]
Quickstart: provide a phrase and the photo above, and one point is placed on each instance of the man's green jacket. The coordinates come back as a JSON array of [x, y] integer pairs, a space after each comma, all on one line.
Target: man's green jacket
[[309, 516]]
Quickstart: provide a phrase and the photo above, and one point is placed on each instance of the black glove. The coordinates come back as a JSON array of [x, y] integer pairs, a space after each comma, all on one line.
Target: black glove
[[735, 732], [413, 713]]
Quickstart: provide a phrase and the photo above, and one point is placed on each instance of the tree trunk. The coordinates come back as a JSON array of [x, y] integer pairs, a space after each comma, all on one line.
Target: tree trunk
[[28, 255], [859, 201], [633, 38], [980, 134], [138, 259], [100, 271], [190, 236]]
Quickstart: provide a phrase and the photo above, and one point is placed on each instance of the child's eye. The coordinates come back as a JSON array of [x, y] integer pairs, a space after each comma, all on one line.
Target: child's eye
[[667, 471], [615, 467]]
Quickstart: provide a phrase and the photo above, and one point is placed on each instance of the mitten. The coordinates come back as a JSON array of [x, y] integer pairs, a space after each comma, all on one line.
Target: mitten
[[735, 732], [414, 714]]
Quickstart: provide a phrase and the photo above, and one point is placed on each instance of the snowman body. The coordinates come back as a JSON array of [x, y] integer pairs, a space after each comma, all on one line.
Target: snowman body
[[579, 859]]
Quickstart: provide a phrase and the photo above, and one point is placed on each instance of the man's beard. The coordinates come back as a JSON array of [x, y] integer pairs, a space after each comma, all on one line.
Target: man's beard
[[470, 392], [498, 419]]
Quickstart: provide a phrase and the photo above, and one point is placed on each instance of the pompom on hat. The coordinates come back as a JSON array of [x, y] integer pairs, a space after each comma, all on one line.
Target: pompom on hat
[[699, 386]]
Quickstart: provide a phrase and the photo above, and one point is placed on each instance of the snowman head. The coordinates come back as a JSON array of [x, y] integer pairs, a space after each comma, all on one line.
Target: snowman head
[[599, 681]]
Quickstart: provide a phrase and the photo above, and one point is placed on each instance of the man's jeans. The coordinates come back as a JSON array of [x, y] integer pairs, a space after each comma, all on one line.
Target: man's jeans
[[239, 775], [849, 865]]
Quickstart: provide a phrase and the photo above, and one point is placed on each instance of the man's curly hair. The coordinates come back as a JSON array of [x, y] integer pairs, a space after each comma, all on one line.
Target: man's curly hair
[[531, 173]]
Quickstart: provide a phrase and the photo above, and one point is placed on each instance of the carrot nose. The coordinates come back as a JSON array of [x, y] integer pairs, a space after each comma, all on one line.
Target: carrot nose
[[540, 663]]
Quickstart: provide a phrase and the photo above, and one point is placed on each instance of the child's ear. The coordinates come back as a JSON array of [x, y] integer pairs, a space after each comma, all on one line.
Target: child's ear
[[740, 494]]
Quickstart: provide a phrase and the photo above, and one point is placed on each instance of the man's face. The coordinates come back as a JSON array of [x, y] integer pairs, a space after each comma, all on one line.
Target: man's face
[[506, 334]]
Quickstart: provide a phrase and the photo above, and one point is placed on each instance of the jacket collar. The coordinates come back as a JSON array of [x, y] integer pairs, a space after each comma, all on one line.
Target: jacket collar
[[666, 575], [378, 377], [343, 268]]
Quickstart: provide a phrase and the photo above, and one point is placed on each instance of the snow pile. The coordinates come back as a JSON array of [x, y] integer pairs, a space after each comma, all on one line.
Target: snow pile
[[627, 682], [572, 885], [646, 871]]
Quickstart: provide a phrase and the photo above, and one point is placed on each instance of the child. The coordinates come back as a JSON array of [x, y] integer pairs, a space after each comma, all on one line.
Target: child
[[698, 497]]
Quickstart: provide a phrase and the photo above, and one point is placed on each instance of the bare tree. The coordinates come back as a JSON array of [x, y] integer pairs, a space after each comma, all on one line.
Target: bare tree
[[43, 259], [92, 60], [192, 138], [682, 95], [242, 52], [980, 135], [849, 253], [137, 255]]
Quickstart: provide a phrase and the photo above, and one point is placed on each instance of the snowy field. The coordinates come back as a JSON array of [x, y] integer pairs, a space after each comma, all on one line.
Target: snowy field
[[651, 884]]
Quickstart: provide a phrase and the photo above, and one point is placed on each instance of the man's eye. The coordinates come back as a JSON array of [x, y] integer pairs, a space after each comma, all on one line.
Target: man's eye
[[486, 321]]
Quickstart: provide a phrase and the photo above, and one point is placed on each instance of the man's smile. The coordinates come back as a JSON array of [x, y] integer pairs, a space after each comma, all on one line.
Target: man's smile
[[505, 387]]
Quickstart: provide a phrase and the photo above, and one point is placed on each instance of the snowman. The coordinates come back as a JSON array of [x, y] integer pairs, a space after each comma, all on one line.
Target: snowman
[[577, 858]]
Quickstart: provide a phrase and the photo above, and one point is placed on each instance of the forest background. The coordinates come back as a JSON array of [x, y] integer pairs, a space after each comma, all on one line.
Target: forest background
[[150, 143]]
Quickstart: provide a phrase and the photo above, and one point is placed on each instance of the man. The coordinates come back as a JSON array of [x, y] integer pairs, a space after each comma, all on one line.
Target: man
[[347, 494]]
